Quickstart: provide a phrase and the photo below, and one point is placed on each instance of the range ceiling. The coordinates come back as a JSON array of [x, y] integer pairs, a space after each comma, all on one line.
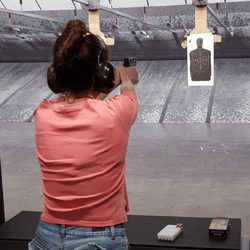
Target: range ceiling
[[33, 5]]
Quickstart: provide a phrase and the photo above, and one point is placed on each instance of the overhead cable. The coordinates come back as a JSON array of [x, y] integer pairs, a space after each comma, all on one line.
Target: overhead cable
[[74, 4], [75, 10], [110, 3], [3, 4], [21, 3], [38, 5]]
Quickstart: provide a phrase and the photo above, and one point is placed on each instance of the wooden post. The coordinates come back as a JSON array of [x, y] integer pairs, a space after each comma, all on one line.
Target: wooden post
[[200, 20]]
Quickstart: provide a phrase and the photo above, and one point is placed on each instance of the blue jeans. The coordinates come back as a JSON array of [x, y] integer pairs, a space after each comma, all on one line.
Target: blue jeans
[[57, 237]]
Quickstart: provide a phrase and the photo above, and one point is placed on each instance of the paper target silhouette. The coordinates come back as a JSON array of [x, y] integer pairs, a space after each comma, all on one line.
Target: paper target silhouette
[[200, 59], [200, 63]]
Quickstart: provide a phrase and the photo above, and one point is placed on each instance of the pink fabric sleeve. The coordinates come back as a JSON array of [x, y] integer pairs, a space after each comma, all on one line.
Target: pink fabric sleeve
[[127, 109]]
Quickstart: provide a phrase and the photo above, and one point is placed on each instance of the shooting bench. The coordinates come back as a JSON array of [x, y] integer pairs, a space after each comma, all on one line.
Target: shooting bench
[[141, 231]]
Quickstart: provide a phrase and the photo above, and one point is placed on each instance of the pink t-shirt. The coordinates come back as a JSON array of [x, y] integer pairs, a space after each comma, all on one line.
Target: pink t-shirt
[[81, 148]]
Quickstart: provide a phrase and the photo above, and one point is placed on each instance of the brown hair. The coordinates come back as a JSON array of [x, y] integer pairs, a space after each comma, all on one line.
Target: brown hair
[[74, 65]]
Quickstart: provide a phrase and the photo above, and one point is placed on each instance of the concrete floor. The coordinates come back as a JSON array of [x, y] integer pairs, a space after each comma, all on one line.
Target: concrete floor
[[162, 92], [175, 166]]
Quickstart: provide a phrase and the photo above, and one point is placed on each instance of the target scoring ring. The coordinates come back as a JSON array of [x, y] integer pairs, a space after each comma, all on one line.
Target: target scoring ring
[[200, 61]]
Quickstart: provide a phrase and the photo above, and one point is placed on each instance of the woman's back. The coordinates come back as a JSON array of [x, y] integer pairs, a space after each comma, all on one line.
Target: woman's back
[[81, 149]]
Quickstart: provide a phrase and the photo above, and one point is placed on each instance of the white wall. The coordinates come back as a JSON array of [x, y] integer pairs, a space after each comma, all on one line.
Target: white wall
[[31, 5]]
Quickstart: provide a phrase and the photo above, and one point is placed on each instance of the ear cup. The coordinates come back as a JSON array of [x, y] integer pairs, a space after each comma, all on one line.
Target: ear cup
[[105, 77], [106, 72]]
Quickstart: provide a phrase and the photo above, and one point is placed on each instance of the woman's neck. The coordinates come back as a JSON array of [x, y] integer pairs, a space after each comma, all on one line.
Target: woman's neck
[[71, 98]]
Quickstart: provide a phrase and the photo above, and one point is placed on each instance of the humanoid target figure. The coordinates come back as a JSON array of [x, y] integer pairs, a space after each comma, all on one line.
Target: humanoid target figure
[[200, 63]]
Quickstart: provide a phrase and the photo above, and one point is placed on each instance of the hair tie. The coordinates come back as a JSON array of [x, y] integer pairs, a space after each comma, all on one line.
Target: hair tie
[[86, 34]]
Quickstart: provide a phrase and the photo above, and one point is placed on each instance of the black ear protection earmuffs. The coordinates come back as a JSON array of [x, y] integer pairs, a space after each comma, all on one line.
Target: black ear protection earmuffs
[[103, 81], [106, 72]]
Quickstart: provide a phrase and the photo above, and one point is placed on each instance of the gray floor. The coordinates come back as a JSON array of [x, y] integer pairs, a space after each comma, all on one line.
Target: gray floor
[[163, 92], [177, 165]]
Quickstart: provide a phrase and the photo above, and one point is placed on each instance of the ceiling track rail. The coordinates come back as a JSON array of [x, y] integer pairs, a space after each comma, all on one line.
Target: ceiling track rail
[[19, 13]]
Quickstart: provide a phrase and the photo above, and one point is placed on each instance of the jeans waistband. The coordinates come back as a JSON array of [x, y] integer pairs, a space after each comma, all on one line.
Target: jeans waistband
[[98, 228], [68, 229]]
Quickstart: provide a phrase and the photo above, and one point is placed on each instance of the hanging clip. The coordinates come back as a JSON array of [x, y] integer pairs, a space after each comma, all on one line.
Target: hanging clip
[[91, 4]]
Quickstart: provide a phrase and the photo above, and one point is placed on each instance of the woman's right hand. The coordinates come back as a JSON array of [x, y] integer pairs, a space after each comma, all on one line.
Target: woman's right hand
[[130, 73]]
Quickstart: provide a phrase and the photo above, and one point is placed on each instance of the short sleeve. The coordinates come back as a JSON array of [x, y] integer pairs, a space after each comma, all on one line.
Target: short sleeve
[[126, 107]]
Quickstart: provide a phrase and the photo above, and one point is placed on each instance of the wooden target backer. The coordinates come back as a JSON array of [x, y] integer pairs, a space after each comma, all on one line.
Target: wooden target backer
[[201, 24], [94, 26]]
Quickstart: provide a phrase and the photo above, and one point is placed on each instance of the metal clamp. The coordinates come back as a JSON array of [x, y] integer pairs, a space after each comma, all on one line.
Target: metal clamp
[[200, 2], [90, 4]]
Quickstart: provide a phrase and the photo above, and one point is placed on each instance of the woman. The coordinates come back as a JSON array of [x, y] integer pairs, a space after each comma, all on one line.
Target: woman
[[81, 145]]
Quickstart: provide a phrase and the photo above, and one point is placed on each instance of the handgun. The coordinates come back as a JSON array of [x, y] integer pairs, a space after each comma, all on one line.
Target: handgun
[[131, 61]]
